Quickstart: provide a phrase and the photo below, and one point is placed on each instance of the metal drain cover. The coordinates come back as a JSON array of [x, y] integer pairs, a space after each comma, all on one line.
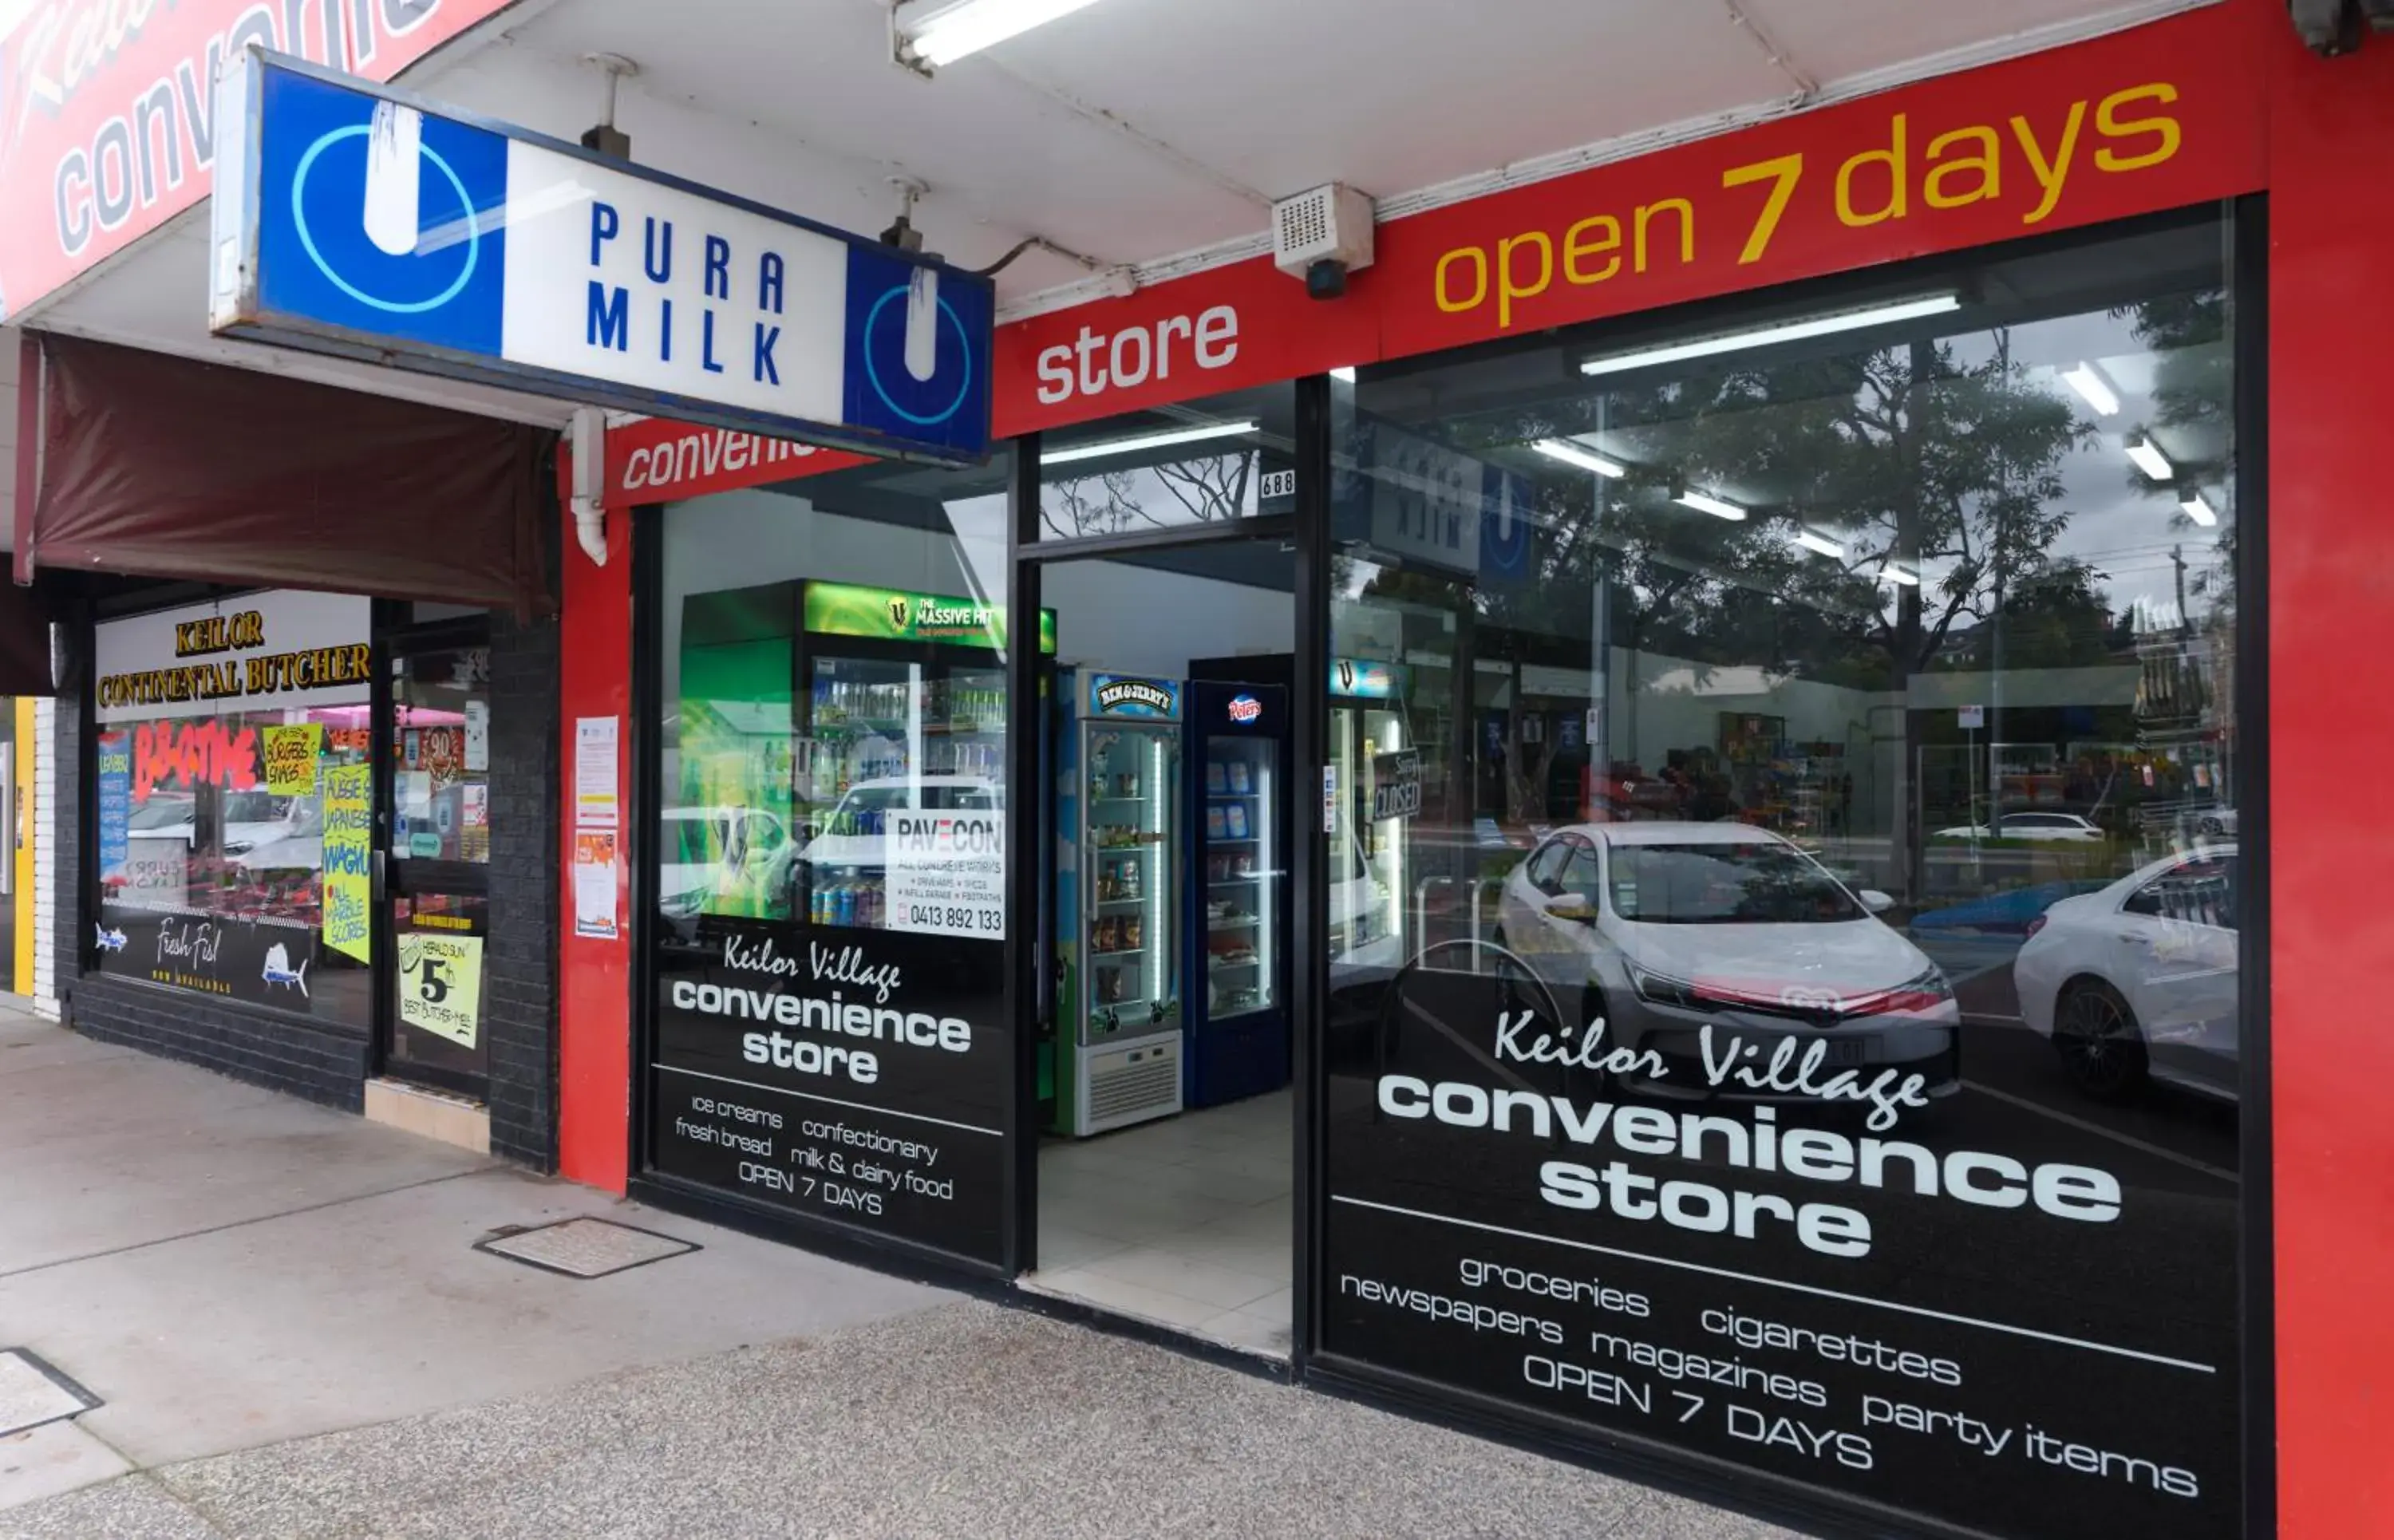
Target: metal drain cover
[[584, 1247], [33, 1393]]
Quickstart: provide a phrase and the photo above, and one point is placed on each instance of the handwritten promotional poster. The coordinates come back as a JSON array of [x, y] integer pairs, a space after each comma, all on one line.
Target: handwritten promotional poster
[[291, 754], [349, 861]]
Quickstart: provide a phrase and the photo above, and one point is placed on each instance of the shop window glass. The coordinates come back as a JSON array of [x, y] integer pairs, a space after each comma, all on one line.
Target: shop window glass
[[1213, 461], [829, 882], [440, 756], [221, 731], [1856, 1102]]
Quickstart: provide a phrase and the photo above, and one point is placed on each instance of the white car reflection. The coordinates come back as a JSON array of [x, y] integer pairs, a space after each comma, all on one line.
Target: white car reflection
[[247, 819], [1675, 928], [2044, 826], [2140, 979]]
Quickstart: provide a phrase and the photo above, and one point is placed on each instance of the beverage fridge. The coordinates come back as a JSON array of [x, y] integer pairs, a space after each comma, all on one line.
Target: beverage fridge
[[1118, 902], [1372, 796], [809, 712], [1236, 1042], [1376, 769]]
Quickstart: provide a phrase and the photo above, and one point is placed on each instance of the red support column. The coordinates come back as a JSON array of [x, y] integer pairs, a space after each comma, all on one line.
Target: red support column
[[594, 1060], [2331, 661]]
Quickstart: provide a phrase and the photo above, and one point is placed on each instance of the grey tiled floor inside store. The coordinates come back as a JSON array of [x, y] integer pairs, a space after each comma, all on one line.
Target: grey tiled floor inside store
[[1184, 1222]]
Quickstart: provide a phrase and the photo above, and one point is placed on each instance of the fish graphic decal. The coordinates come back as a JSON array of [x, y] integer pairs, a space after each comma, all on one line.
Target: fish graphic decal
[[277, 969], [109, 940]]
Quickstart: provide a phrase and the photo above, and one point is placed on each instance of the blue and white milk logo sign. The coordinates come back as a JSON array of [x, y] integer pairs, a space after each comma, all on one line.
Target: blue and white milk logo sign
[[359, 221]]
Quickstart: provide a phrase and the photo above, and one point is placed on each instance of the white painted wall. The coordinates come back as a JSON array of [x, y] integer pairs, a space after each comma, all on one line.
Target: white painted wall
[[1138, 620]]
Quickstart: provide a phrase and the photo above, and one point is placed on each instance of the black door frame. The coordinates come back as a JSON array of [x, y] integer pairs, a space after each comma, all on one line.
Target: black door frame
[[1028, 554], [396, 636]]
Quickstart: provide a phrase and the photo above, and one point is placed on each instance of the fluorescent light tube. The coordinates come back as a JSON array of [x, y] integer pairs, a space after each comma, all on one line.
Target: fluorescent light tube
[[1347, 375], [2150, 460], [1705, 502], [977, 24], [1793, 331], [2199, 510], [1891, 573], [1145, 441], [1821, 543], [2088, 382], [1571, 453]]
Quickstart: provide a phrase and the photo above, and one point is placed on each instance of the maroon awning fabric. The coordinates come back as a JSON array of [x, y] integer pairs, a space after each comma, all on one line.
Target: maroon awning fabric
[[25, 663], [158, 466]]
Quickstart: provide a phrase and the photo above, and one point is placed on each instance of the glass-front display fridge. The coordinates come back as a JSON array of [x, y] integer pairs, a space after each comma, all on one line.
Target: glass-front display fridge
[[1118, 911], [853, 704], [1371, 797], [1236, 1042], [1376, 772]]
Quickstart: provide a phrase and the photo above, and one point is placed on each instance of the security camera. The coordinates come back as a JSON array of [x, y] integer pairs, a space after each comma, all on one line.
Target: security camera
[[1325, 279]]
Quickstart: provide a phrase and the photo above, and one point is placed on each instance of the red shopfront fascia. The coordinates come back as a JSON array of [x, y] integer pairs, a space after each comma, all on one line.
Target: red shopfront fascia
[[2210, 105]]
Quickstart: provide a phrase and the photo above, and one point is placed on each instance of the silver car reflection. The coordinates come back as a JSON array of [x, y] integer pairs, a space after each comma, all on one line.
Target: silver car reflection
[[1666, 929]]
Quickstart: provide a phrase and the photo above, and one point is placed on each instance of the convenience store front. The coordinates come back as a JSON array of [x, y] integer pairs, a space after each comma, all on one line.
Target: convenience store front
[[1857, 594]]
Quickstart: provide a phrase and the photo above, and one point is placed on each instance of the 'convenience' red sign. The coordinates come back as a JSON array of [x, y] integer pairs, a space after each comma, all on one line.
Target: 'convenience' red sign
[[107, 110]]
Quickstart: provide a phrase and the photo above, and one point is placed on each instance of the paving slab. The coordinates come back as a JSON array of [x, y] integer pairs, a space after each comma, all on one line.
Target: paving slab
[[292, 1334], [56, 1457], [226, 1267], [29, 1043], [107, 1150], [379, 1308], [968, 1420]]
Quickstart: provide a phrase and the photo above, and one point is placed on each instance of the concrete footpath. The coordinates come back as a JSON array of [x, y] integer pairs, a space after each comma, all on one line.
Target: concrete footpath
[[281, 1312]]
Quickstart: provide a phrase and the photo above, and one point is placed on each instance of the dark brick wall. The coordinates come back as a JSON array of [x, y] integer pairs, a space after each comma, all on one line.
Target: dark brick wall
[[316, 1062], [327, 1064], [520, 1009]]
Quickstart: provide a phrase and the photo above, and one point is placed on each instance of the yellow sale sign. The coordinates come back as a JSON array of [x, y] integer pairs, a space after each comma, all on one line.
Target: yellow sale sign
[[291, 755], [441, 984]]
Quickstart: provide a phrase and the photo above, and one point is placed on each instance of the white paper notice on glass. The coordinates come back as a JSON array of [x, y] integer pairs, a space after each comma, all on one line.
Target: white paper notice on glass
[[946, 872], [415, 795], [478, 737], [596, 761]]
